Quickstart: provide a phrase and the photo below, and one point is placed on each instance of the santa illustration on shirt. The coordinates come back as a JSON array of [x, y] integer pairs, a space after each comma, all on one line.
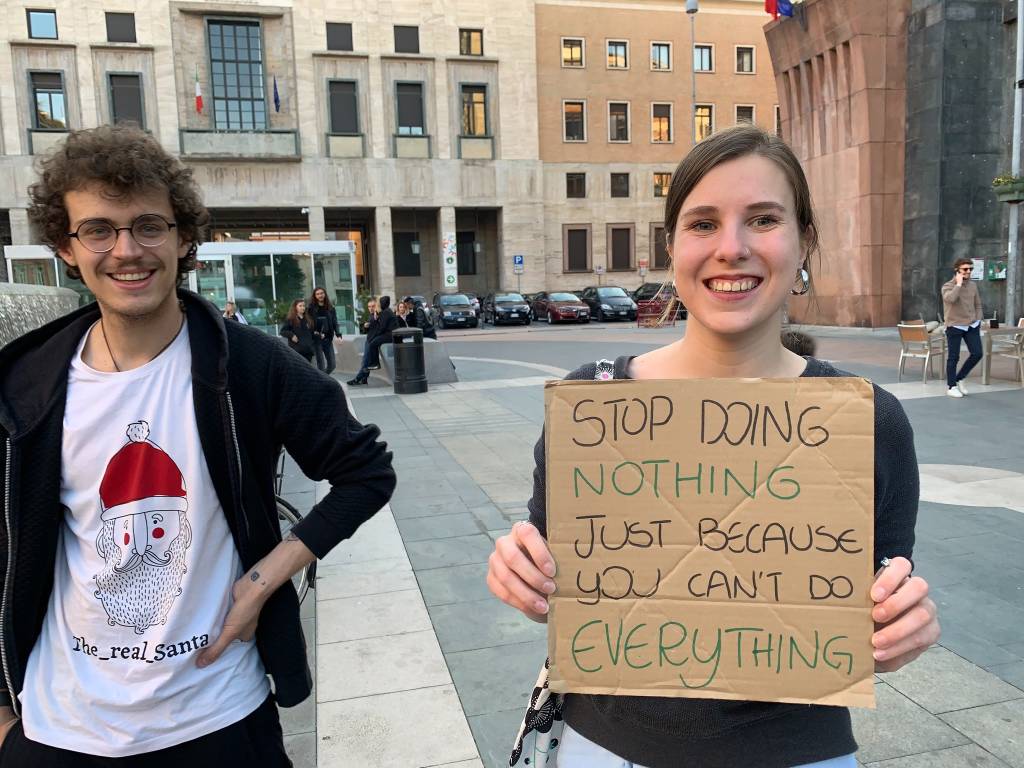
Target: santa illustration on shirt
[[145, 533]]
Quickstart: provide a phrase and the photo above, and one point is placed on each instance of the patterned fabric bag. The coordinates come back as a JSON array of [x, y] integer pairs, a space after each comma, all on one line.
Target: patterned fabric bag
[[541, 730], [542, 726]]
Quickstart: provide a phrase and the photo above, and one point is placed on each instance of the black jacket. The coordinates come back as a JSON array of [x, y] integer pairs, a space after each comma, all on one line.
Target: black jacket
[[386, 323], [421, 320], [251, 396], [300, 330], [325, 321]]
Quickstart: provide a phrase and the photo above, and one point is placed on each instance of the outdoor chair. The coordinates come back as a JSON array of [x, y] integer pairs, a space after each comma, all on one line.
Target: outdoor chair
[[1013, 348], [916, 342]]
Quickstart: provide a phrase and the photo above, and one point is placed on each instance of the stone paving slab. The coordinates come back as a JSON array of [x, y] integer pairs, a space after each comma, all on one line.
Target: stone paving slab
[[384, 664], [967, 756], [940, 681], [998, 728], [408, 729], [918, 731]]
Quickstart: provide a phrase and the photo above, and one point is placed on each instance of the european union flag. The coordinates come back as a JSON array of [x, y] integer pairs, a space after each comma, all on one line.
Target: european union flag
[[277, 96]]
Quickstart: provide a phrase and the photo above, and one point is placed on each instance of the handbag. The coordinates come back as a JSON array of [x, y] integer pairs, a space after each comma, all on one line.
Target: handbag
[[542, 726], [541, 730]]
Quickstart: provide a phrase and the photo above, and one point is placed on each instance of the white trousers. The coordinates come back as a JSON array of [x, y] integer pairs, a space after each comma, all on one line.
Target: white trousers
[[576, 751]]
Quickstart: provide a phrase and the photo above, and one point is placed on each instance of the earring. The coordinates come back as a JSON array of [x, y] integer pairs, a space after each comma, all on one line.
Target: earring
[[805, 283]]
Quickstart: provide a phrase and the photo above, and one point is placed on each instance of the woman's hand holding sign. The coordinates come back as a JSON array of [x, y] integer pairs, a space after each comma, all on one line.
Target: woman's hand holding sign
[[905, 617], [520, 571]]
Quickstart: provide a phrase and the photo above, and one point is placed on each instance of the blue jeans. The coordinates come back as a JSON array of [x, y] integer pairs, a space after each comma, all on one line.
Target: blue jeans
[[972, 338], [371, 356], [577, 751]]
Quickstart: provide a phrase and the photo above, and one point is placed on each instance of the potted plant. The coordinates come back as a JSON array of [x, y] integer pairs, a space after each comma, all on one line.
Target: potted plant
[[1009, 188]]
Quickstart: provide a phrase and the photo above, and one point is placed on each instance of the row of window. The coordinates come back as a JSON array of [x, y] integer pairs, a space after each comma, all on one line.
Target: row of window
[[617, 56], [577, 250], [407, 39], [576, 184], [238, 103], [49, 99], [574, 121], [42, 25]]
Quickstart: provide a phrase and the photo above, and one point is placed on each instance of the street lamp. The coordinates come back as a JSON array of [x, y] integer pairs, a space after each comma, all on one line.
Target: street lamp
[[692, 6]]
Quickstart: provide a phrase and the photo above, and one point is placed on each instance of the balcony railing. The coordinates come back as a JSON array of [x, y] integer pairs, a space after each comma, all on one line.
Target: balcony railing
[[345, 145], [476, 147], [41, 142], [253, 145]]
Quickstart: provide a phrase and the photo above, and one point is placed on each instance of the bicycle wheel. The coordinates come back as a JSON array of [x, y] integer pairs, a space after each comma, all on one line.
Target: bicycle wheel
[[287, 516]]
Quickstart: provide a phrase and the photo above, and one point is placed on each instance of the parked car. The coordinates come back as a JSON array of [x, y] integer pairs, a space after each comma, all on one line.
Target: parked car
[[559, 307], [529, 297], [475, 301], [651, 298], [500, 308], [609, 302], [453, 310]]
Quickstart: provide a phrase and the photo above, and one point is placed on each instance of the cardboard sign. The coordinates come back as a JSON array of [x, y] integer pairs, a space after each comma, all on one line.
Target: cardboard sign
[[713, 538]]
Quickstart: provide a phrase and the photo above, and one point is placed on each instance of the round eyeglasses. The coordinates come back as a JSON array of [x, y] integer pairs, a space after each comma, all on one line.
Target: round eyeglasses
[[99, 236]]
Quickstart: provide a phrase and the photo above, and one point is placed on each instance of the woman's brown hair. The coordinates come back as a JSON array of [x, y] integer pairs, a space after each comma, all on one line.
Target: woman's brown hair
[[124, 161], [293, 314]]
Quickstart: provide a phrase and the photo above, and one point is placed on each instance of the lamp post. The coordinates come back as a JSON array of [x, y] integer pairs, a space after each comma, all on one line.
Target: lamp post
[[1013, 258], [691, 11]]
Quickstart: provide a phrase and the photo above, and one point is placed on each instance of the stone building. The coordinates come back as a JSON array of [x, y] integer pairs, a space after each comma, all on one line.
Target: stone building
[[414, 131], [901, 113], [615, 96]]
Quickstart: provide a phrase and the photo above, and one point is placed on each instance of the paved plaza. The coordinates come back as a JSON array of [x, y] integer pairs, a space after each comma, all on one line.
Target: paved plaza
[[418, 665]]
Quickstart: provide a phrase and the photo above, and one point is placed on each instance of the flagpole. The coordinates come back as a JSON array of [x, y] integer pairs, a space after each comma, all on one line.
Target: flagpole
[[691, 11]]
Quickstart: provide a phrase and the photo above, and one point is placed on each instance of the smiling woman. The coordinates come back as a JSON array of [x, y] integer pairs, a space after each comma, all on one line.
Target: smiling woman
[[740, 232]]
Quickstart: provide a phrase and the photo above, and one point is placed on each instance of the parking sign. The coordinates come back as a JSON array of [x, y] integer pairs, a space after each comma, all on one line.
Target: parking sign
[[517, 260]]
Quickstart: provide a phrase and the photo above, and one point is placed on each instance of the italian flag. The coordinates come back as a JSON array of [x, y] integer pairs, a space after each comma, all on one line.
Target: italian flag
[[199, 93]]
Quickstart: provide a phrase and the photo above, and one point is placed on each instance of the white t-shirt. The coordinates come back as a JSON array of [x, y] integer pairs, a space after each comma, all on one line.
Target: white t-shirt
[[143, 576]]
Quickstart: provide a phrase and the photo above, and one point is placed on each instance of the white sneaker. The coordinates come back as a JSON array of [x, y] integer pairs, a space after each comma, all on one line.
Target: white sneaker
[[954, 392], [962, 386]]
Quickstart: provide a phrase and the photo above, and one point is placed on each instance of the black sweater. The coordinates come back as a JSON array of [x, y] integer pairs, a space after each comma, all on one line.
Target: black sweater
[[251, 396], [300, 330], [714, 733]]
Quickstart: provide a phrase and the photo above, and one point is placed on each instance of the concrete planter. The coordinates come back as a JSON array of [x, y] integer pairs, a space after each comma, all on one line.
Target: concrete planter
[[1010, 193]]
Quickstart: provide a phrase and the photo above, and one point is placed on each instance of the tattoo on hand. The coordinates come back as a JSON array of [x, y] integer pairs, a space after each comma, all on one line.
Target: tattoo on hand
[[254, 576]]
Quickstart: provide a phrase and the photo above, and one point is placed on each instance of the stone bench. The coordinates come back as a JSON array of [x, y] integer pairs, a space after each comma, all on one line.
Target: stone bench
[[439, 367]]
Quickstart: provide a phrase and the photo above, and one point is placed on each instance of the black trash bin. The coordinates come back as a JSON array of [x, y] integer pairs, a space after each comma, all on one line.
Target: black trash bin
[[410, 366]]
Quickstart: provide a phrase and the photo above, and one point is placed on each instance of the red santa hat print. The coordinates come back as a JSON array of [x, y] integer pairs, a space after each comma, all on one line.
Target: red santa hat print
[[141, 478]]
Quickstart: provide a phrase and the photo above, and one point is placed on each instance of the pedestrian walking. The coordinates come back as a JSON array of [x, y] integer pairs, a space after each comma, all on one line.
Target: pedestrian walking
[[298, 330], [741, 235], [325, 329], [381, 326], [147, 592], [961, 309]]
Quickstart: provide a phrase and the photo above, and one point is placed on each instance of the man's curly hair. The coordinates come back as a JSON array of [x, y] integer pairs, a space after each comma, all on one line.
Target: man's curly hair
[[125, 161]]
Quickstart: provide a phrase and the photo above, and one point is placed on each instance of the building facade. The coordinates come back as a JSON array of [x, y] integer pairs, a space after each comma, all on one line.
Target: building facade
[[617, 113], [442, 140]]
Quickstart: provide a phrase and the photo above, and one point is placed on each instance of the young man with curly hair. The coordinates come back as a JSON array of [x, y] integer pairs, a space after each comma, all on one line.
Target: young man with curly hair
[[146, 593]]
